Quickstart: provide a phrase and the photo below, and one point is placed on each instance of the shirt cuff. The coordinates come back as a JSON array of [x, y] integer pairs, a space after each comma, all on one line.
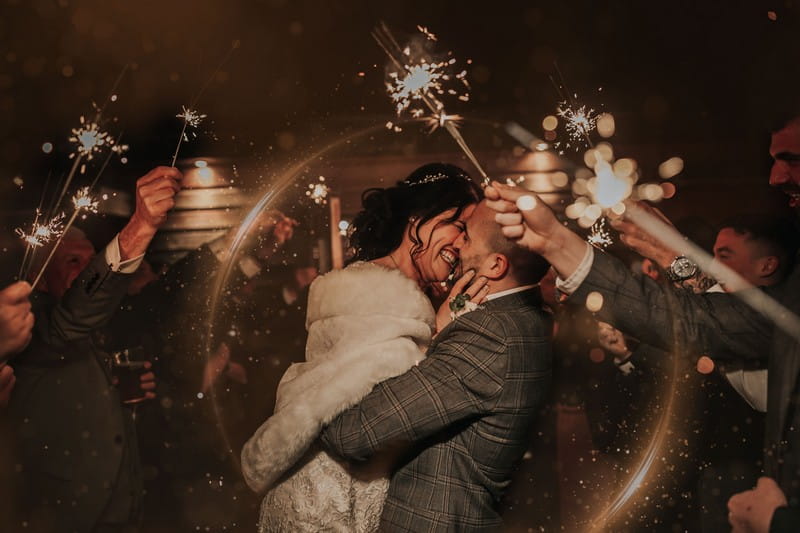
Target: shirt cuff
[[574, 281], [115, 262]]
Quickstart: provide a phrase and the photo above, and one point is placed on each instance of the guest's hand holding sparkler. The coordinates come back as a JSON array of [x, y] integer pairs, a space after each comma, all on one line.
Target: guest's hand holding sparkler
[[155, 196], [16, 319], [529, 221]]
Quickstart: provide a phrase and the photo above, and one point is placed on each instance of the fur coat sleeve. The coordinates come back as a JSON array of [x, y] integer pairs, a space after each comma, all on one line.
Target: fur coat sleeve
[[365, 324]]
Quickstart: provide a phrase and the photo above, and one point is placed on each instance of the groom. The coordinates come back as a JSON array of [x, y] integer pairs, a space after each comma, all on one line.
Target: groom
[[462, 417]]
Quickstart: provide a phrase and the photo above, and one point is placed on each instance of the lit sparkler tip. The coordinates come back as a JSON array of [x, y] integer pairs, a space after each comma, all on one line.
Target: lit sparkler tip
[[318, 192], [41, 234], [89, 138], [192, 117], [83, 201], [579, 122], [599, 236]]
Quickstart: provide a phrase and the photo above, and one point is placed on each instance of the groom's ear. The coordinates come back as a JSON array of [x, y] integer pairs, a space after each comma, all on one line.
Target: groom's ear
[[496, 266]]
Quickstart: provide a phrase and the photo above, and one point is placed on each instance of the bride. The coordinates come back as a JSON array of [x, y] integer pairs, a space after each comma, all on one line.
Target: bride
[[366, 323]]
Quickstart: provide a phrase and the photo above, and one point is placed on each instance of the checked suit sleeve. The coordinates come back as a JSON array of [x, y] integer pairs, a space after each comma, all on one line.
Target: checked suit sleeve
[[460, 379], [716, 324]]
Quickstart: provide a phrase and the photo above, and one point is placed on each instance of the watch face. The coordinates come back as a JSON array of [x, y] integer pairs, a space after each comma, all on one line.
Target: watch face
[[682, 268]]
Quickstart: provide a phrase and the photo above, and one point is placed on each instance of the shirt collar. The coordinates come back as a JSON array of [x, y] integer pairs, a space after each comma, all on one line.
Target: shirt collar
[[510, 291]]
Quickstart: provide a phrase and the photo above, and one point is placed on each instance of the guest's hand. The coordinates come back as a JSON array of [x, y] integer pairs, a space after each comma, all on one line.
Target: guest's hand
[[751, 511], [219, 363], [465, 293], [641, 242], [155, 196], [16, 319], [269, 231], [148, 382], [612, 340], [533, 226], [7, 381], [529, 221]]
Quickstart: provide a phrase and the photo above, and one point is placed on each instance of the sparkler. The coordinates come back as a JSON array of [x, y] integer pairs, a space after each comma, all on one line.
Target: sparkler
[[39, 235], [82, 201], [423, 82], [90, 138], [579, 121], [191, 119], [318, 192], [599, 237]]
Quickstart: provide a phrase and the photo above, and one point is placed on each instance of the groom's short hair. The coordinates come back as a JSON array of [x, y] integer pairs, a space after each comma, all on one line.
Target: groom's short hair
[[526, 267]]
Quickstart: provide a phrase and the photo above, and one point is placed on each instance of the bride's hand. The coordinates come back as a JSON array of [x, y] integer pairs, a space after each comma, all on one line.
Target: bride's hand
[[461, 297]]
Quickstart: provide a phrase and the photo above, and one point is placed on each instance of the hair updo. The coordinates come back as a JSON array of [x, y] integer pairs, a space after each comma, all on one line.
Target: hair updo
[[427, 192]]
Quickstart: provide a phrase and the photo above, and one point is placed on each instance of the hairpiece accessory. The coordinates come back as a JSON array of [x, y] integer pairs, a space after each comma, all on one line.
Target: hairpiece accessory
[[430, 178]]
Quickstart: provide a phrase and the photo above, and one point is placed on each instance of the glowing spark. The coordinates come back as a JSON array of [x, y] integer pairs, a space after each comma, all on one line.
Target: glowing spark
[[318, 191], [422, 80], [418, 83], [578, 121], [41, 234], [90, 139], [599, 236], [429, 34], [191, 119], [120, 149], [439, 120], [82, 200]]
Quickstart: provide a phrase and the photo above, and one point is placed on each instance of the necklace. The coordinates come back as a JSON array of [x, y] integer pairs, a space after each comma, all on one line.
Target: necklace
[[394, 262]]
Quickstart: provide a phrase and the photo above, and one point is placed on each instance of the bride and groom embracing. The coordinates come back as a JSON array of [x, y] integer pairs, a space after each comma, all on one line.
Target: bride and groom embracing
[[403, 418]]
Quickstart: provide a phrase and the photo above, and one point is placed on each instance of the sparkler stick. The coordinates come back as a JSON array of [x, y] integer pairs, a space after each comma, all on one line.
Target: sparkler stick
[[190, 116], [29, 243], [420, 88]]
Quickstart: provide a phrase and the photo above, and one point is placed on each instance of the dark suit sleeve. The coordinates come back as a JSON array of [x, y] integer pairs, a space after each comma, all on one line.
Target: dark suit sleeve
[[785, 520], [717, 324], [88, 304], [461, 378]]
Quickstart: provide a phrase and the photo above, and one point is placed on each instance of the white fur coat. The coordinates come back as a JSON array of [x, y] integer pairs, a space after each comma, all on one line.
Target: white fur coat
[[366, 323]]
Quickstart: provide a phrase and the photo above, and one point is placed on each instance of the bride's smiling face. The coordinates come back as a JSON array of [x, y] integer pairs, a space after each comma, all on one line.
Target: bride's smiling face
[[437, 257]]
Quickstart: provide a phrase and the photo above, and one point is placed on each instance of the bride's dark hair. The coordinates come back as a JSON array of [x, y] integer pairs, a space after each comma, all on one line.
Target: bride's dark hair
[[429, 191]]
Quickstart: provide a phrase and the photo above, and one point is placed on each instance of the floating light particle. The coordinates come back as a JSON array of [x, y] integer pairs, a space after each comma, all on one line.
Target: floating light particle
[[526, 203], [670, 168], [594, 301], [549, 123], [705, 365], [605, 125]]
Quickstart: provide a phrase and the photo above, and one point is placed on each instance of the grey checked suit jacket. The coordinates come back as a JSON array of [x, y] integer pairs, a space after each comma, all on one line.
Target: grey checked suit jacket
[[721, 326], [462, 418]]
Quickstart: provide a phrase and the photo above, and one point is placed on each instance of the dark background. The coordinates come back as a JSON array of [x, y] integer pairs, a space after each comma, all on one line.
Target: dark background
[[704, 79]]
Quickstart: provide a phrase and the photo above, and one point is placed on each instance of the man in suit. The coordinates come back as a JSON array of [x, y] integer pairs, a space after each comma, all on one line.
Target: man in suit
[[718, 324], [460, 420], [76, 442]]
